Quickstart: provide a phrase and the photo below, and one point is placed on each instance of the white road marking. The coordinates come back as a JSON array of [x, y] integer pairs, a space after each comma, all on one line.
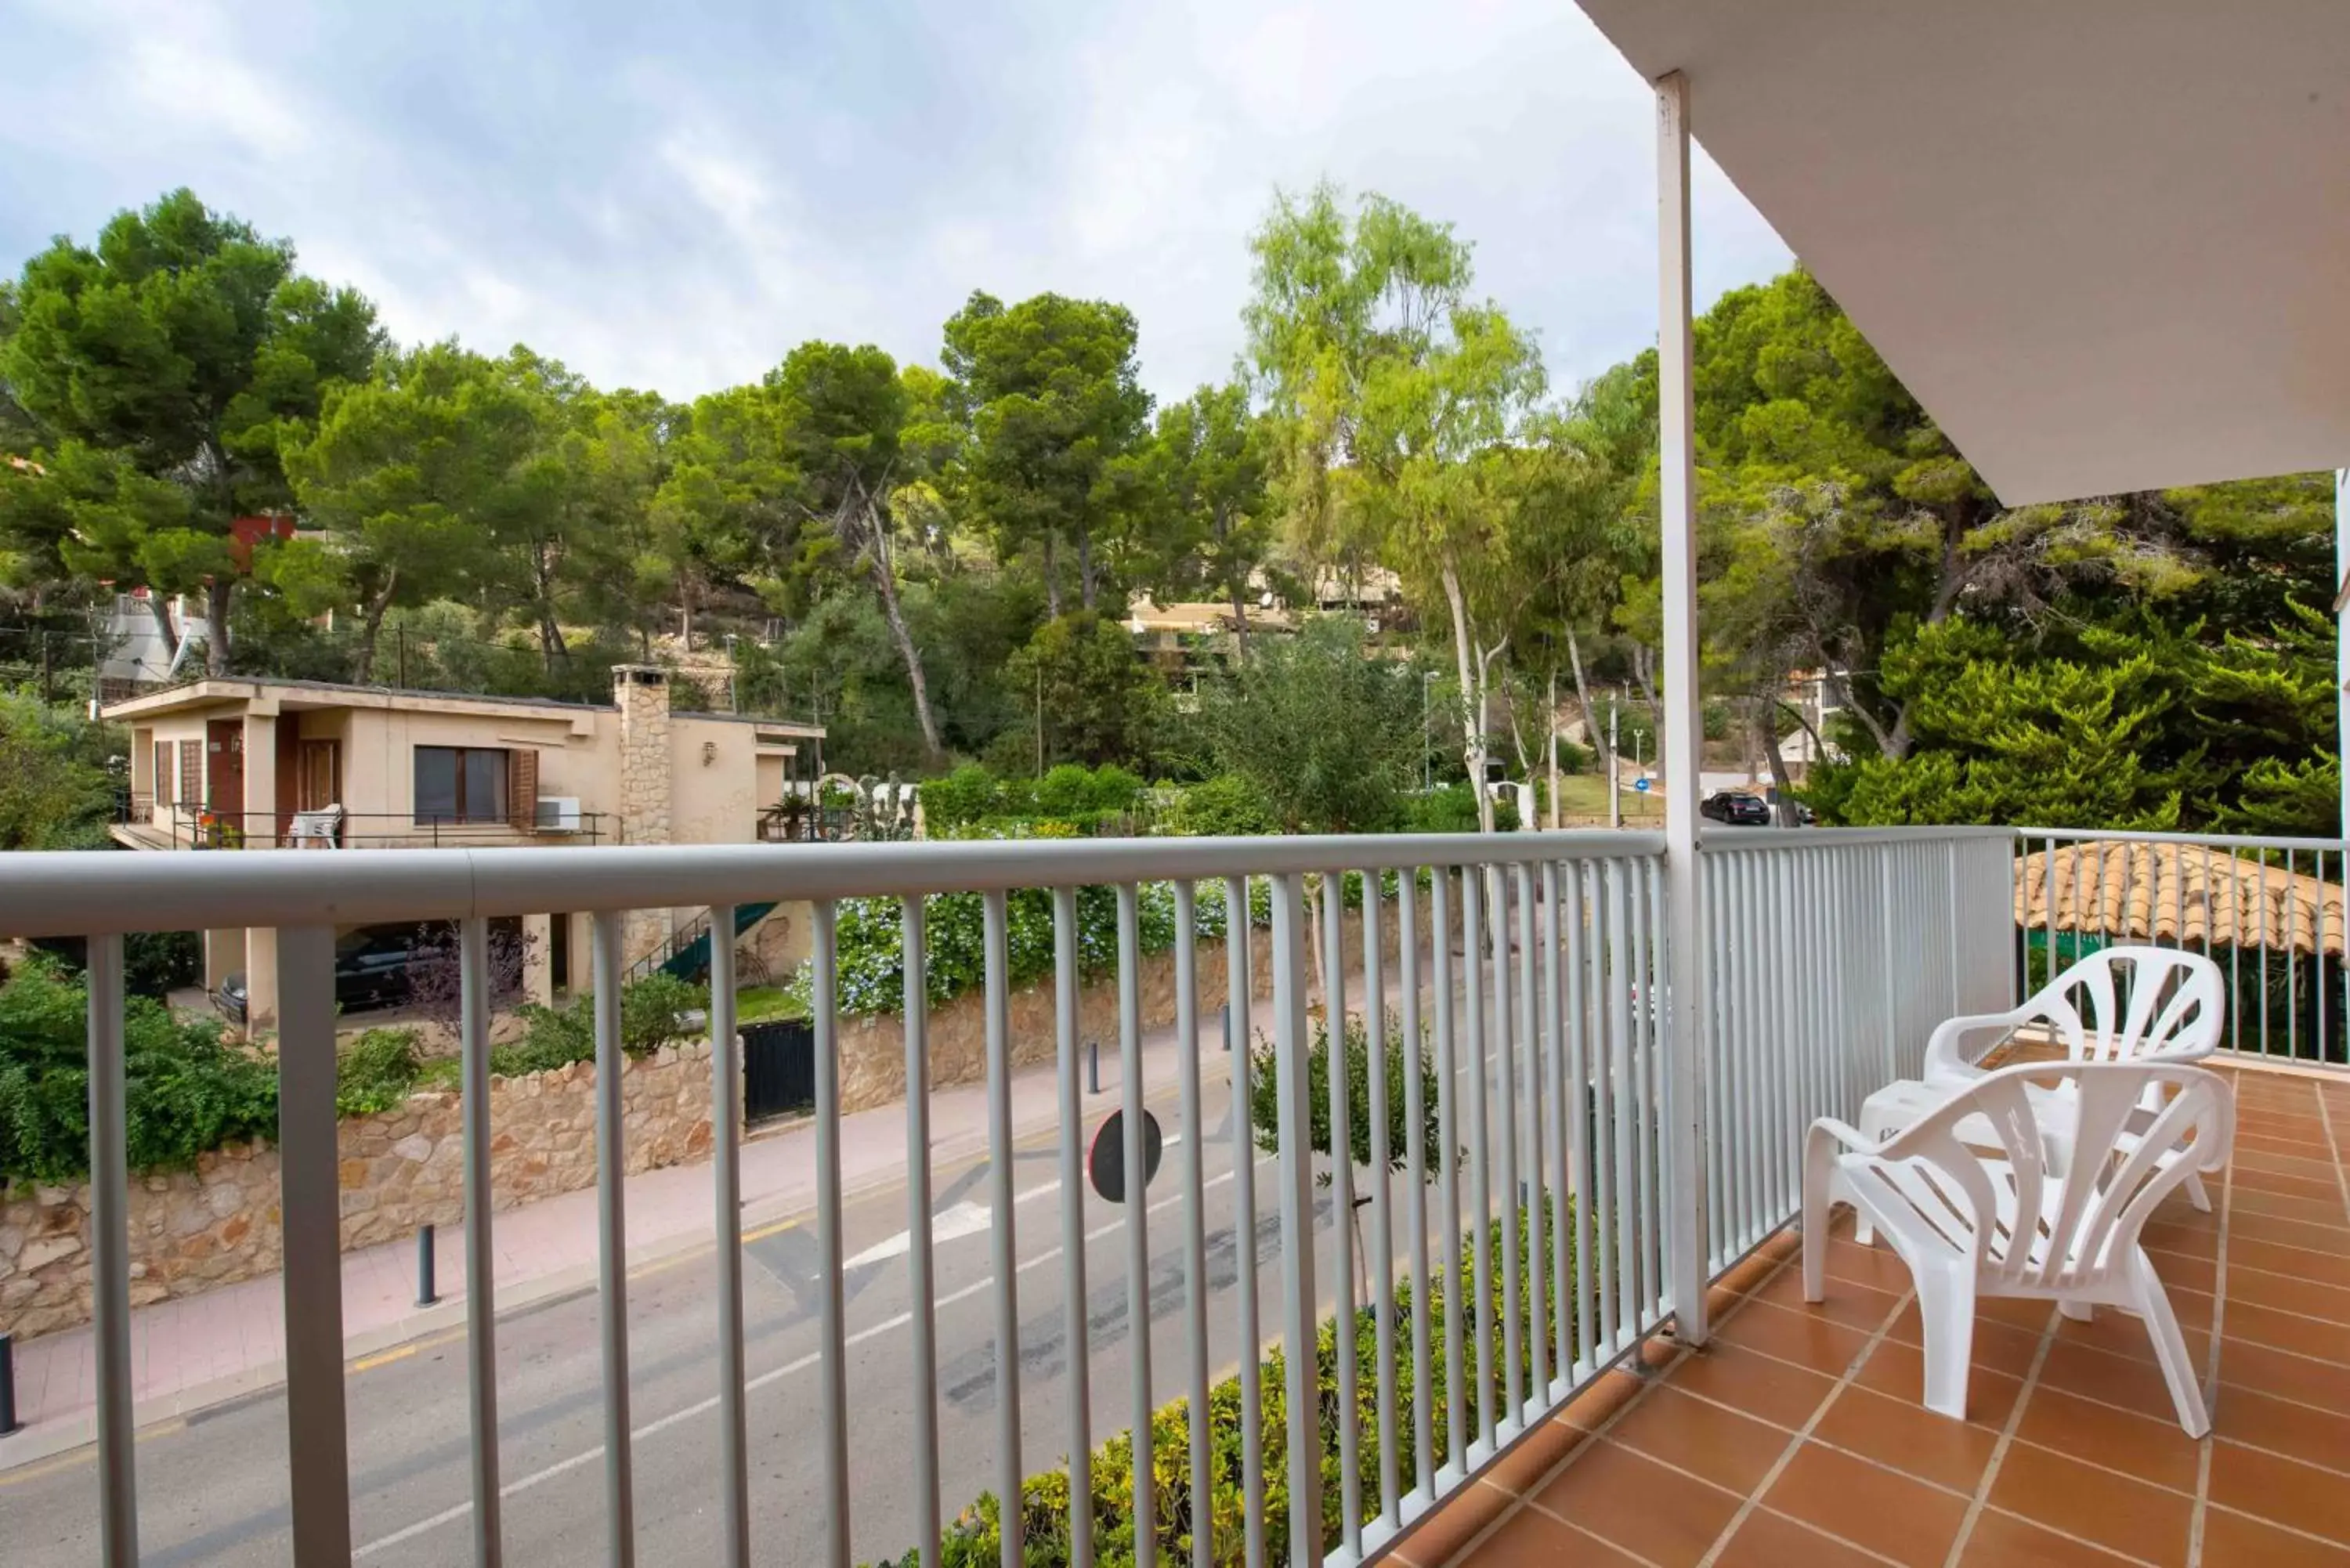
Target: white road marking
[[700, 1407], [963, 1220]]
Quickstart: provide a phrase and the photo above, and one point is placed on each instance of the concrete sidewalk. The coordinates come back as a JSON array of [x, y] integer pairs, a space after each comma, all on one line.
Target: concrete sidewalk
[[192, 1353]]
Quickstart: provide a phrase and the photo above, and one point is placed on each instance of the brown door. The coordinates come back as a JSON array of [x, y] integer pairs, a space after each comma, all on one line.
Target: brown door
[[225, 771], [322, 770]]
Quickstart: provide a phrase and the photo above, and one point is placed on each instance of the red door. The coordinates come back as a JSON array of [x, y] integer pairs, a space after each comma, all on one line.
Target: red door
[[225, 771]]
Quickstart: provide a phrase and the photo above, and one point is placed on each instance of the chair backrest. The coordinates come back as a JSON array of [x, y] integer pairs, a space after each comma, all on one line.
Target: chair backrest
[[2054, 1210], [2135, 1004]]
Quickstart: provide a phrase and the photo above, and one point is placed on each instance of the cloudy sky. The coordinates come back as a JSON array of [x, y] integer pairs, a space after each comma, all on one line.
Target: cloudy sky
[[671, 195]]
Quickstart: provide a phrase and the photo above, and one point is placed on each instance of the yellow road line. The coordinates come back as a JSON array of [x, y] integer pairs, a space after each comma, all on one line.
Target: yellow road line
[[75, 1458]]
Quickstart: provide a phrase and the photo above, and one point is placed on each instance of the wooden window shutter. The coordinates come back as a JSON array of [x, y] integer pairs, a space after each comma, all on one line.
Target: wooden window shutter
[[522, 789], [191, 773]]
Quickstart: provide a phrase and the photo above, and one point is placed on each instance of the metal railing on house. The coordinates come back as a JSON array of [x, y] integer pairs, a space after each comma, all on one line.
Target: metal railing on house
[[1564, 1165], [164, 824]]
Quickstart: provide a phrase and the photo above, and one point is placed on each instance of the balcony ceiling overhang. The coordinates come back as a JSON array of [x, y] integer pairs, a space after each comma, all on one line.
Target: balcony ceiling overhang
[[2107, 242]]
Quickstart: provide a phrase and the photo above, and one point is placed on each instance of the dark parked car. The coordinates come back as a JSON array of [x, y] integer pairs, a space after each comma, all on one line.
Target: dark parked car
[[1736, 808], [370, 970]]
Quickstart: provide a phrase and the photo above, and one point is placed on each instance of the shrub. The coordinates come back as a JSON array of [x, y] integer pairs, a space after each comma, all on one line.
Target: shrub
[[966, 795], [186, 1089], [654, 1012], [1066, 791], [870, 945], [974, 1539], [1264, 1098], [1227, 805], [376, 1071]]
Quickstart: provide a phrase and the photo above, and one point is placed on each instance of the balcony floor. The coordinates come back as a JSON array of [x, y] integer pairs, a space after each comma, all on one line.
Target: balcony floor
[[1797, 1436]]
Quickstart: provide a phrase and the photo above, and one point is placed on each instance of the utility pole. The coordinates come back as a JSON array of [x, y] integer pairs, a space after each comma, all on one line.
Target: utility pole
[[1615, 766], [1040, 719]]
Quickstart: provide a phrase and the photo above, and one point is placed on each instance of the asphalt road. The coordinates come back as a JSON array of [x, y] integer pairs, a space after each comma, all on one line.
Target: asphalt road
[[213, 1490]]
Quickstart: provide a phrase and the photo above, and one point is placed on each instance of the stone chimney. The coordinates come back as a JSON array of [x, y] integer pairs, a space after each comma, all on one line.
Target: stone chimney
[[642, 693]]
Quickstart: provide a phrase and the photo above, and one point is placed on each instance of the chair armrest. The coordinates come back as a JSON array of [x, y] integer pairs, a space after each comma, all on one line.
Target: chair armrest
[[1843, 1132], [1945, 1063]]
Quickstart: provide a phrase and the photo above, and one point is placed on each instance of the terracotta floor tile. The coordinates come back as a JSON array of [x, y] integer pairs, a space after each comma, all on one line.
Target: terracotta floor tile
[[2116, 1332], [1898, 1372], [2307, 1298], [2158, 1451], [1879, 1267], [1903, 1519], [1592, 1408], [2254, 1157], [2295, 1263], [2132, 1382], [2288, 1375], [1771, 1390], [1728, 1450], [2195, 1242], [2258, 1324], [2003, 1541], [2284, 1138], [1532, 1539], [2320, 1214], [2251, 1227], [2232, 1541], [1998, 1346], [1801, 1337], [1908, 1437], [1531, 1457], [2300, 1431], [2296, 1495], [2130, 1516], [1639, 1505], [1769, 1540], [2325, 1189], [1856, 1306], [1440, 1535]]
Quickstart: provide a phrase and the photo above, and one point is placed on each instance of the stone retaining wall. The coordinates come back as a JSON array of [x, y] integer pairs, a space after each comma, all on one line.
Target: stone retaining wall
[[193, 1230], [873, 1047]]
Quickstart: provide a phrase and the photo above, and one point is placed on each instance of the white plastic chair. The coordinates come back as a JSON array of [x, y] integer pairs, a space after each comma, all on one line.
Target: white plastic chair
[[2028, 1220], [2121, 1004], [2163, 1020]]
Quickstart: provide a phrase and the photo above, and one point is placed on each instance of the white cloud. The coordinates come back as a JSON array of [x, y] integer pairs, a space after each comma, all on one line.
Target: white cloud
[[675, 203]]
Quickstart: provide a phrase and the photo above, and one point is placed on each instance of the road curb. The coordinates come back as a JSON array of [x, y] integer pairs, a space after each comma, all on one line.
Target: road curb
[[79, 1430]]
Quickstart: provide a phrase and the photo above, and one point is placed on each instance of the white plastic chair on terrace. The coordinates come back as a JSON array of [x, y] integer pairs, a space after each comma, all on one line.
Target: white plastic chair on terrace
[[2121, 1004], [2029, 1221]]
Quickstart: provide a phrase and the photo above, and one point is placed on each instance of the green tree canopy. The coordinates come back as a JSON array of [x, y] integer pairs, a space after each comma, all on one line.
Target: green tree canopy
[[161, 368], [1055, 397]]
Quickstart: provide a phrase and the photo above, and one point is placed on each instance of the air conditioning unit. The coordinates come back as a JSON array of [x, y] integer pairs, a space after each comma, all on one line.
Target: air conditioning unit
[[558, 814]]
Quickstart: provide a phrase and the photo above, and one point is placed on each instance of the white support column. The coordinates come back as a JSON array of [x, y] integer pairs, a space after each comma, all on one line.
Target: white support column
[[2342, 638], [1687, 1002]]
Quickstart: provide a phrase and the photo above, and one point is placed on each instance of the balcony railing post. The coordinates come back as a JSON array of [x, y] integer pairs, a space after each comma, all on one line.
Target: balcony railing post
[[726, 1192], [109, 1245], [611, 1249], [317, 1439], [1299, 1330]]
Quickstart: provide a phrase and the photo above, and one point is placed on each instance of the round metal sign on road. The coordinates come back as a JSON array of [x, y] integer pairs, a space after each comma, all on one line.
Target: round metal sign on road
[[1105, 1161], [1640, 784]]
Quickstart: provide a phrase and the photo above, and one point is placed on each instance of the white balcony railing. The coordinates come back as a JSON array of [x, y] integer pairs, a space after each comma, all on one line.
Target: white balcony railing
[[1529, 969]]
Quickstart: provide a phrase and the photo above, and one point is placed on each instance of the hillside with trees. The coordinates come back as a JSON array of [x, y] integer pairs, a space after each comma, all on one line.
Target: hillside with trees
[[936, 560]]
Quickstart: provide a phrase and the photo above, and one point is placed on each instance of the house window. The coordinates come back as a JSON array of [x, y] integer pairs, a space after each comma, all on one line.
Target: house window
[[461, 783]]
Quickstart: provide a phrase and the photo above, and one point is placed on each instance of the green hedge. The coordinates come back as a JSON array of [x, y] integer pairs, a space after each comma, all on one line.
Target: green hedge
[[187, 1090], [1069, 793], [871, 946], [974, 1539]]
